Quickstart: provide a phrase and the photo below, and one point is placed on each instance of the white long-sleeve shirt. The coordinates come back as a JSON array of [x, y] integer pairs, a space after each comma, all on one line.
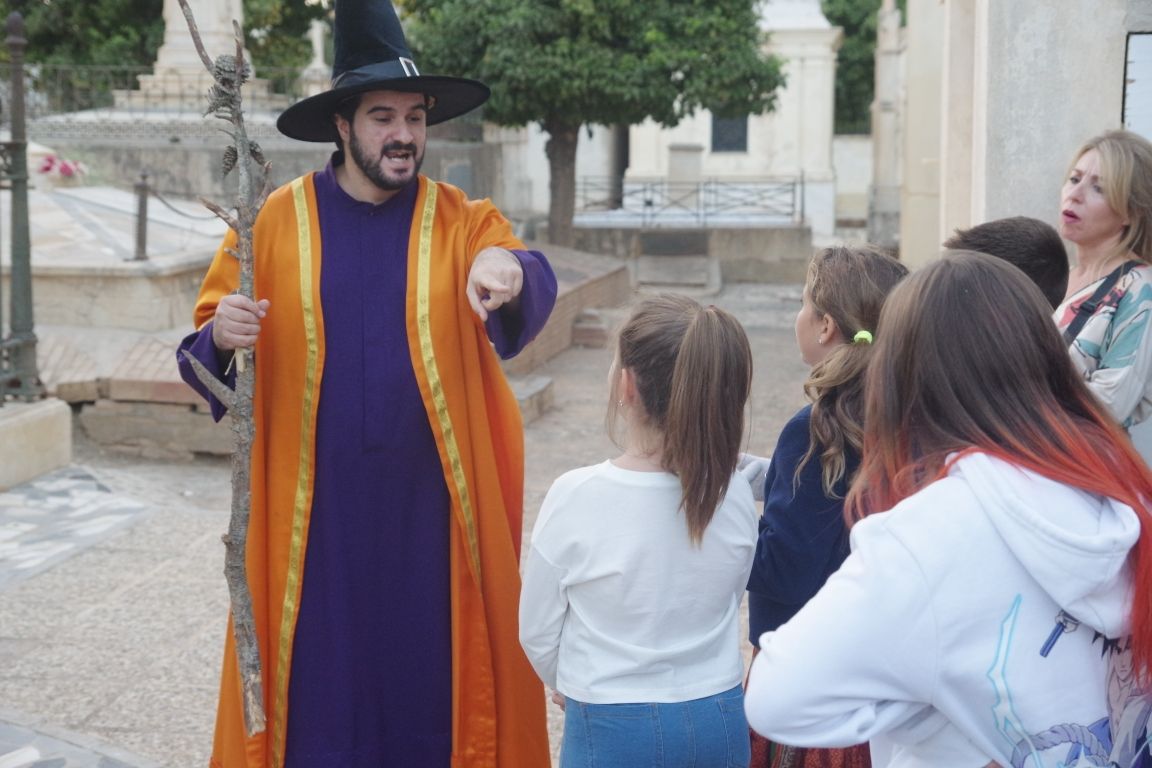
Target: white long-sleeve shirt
[[619, 605]]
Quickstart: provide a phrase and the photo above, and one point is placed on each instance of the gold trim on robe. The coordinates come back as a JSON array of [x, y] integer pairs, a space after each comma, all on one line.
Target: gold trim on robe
[[498, 703]]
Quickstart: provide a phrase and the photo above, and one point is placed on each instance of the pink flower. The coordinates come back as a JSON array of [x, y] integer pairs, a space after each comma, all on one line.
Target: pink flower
[[52, 165]]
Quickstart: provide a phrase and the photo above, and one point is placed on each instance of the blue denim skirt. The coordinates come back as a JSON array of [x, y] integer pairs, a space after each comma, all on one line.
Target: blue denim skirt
[[703, 733]]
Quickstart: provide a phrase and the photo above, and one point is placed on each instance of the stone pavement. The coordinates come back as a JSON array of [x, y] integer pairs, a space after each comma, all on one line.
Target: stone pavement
[[112, 598]]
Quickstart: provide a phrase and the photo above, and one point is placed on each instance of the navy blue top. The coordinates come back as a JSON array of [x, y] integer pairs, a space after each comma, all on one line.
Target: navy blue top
[[803, 539]]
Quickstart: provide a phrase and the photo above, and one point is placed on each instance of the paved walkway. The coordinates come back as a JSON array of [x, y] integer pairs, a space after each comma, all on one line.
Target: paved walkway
[[112, 598]]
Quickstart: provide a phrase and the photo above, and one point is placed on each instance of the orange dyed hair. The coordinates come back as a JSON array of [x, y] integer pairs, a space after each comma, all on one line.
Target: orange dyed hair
[[967, 358]]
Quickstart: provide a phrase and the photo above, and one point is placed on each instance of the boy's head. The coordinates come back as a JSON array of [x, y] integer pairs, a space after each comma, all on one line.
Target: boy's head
[[1030, 244]]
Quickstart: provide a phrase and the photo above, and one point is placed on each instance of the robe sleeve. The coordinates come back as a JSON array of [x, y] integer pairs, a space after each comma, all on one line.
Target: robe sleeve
[[201, 346], [510, 330]]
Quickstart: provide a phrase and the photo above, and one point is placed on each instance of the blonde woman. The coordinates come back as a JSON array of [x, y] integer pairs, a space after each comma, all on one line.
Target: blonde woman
[[1106, 212]]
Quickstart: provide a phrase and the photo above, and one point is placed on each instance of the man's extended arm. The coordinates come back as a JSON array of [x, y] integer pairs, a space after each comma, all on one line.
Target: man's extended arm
[[520, 314]]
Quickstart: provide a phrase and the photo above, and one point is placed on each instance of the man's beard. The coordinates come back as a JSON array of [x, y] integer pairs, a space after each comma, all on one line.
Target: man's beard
[[371, 166]]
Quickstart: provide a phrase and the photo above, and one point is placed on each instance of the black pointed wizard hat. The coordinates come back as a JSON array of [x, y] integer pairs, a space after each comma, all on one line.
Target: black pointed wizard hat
[[372, 55]]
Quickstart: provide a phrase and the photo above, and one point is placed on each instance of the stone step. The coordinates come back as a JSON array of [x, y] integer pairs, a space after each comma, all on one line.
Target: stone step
[[685, 273], [42, 434]]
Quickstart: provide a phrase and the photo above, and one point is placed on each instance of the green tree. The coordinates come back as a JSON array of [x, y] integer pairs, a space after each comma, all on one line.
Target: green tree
[[93, 32], [855, 63], [276, 31], [569, 63], [130, 32]]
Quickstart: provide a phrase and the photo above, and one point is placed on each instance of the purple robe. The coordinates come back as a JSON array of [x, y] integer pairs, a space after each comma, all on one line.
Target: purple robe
[[371, 681]]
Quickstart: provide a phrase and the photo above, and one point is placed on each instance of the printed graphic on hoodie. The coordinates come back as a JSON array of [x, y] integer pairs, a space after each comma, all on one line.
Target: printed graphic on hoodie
[[1119, 740]]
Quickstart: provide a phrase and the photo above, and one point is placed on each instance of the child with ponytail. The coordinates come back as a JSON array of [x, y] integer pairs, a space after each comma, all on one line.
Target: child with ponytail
[[630, 606], [803, 538], [997, 605]]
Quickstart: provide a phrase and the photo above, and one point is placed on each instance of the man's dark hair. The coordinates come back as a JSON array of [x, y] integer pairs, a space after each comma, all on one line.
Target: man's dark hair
[[347, 110], [1030, 244]]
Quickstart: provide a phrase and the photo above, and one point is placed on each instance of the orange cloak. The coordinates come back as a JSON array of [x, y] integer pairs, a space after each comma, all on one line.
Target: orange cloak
[[498, 703]]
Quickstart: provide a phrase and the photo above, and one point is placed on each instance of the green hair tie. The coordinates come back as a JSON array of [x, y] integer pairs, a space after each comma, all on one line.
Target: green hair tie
[[862, 337]]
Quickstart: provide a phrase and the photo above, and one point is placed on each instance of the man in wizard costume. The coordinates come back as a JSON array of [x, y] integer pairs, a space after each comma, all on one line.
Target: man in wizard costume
[[387, 468]]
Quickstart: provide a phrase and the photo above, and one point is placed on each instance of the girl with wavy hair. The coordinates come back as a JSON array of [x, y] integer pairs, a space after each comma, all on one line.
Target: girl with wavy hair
[[803, 539], [1003, 538], [630, 606]]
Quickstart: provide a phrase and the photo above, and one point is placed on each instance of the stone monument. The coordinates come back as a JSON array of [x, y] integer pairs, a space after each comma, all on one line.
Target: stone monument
[[793, 141], [315, 77], [179, 81]]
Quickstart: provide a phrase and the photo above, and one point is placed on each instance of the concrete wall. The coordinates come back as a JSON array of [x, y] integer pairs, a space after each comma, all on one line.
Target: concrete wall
[[999, 95], [133, 295], [522, 188], [190, 167], [852, 160], [1023, 144], [34, 438], [749, 254]]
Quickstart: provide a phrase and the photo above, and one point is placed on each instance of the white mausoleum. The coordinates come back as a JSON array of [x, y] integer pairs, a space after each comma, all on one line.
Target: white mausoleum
[[791, 142]]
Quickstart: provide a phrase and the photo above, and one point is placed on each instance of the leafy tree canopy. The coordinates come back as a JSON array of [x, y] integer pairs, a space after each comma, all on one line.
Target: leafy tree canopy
[[855, 63], [575, 62], [568, 63], [276, 31], [101, 32], [130, 32]]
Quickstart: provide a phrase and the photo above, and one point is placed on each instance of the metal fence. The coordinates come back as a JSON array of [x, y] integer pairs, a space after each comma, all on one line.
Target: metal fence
[[656, 202], [132, 102]]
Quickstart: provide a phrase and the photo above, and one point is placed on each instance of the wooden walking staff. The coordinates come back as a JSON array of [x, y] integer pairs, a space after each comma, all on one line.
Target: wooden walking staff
[[229, 72]]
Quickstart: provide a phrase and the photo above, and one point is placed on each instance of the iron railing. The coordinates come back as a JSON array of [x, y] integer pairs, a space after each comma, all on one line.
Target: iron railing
[[659, 202], [128, 103]]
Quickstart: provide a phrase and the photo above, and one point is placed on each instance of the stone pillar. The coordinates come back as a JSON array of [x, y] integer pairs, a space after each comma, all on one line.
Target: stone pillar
[[213, 19], [685, 162], [316, 77], [179, 80], [920, 182], [962, 96], [884, 196], [802, 37]]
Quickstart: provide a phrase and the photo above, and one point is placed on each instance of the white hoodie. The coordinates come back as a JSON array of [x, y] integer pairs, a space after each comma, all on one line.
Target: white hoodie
[[934, 639]]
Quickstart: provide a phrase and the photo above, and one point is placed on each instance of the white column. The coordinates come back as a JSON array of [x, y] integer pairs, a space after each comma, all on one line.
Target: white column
[[179, 82], [958, 106], [920, 185], [802, 124], [213, 19], [884, 196], [316, 77]]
